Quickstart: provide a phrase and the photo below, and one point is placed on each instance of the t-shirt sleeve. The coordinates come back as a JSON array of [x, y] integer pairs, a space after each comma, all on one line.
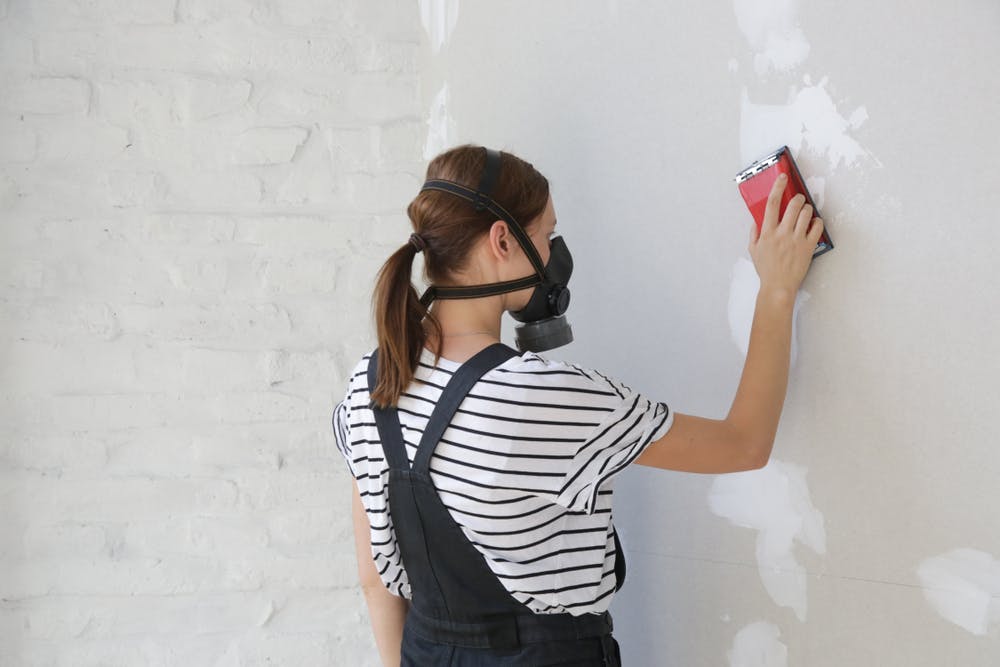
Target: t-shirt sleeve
[[631, 425], [341, 428]]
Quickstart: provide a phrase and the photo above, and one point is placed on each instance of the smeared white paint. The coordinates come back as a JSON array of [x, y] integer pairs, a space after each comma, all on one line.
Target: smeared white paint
[[734, 65], [963, 586], [774, 501], [757, 645], [743, 302], [770, 28], [441, 133], [613, 8], [810, 121], [439, 18]]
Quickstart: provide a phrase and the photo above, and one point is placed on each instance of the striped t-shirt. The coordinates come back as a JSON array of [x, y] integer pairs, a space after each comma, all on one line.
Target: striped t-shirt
[[525, 468]]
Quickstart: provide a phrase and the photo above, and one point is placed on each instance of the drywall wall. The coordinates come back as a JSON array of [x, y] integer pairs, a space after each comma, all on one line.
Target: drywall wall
[[873, 536]]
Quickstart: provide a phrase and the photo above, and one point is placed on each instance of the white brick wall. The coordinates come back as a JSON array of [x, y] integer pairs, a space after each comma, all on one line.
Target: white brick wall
[[194, 198]]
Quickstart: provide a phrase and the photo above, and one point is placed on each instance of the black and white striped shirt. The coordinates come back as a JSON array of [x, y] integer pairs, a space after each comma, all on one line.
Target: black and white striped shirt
[[525, 468]]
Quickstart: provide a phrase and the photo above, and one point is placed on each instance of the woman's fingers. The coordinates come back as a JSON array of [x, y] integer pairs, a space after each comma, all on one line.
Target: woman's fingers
[[815, 230], [773, 206], [803, 219], [792, 213]]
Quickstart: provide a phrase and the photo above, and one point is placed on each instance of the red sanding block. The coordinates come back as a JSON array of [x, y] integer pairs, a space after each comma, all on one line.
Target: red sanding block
[[755, 184]]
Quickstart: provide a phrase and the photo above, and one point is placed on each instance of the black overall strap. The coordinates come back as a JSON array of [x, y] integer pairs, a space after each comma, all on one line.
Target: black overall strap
[[454, 393], [387, 422]]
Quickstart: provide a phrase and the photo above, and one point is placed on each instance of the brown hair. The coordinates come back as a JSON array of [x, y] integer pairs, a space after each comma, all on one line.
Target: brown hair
[[451, 227]]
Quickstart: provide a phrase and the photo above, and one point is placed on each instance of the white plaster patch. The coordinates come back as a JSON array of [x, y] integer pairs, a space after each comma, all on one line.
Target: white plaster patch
[[774, 501], [441, 133], [963, 586], [439, 18], [757, 645], [743, 302], [771, 29], [810, 121]]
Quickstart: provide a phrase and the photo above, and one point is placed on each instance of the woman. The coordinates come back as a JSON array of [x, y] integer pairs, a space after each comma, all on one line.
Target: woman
[[498, 546]]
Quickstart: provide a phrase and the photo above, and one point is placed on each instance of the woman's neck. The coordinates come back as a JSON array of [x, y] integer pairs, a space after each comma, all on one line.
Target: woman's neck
[[467, 326]]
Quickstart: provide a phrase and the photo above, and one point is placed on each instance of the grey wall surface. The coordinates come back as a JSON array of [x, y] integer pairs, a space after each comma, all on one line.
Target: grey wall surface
[[873, 536]]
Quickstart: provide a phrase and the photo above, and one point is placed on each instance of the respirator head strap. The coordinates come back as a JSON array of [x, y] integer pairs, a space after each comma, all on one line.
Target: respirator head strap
[[435, 292], [488, 179], [489, 204]]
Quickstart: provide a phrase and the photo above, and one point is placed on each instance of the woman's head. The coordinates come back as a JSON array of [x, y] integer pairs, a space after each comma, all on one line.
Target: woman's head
[[460, 242]]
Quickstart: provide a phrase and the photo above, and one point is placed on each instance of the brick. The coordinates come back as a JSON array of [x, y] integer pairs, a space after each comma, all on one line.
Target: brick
[[302, 273], [66, 48], [307, 13], [198, 99], [212, 189], [129, 189], [188, 229], [34, 367], [317, 531], [57, 14], [283, 100], [53, 320], [382, 193], [64, 539], [35, 191], [52, 453], [208, 11], [288, 233], [314, 648], [18, 142], [250, 324], [210, 537], [179, 618], [375, 54], [285, 490], [390, 21], [268, 145], [216, 451], [352, 149], [381, 97], [87, 500], [46, 95], [83, 141], [127, 102], [301, 372], [16, 49], [401, 145]]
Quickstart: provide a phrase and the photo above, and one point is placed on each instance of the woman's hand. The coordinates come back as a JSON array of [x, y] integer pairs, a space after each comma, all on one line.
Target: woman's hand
[[782, 251]]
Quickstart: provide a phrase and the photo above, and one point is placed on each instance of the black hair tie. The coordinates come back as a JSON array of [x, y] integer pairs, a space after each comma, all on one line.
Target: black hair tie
[[418, 242]]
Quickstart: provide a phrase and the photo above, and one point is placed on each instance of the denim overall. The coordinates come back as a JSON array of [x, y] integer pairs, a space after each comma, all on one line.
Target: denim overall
[[460, 614]]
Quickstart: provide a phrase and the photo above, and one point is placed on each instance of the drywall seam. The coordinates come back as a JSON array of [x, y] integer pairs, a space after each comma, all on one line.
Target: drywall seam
[[775, 502], [963, 587]]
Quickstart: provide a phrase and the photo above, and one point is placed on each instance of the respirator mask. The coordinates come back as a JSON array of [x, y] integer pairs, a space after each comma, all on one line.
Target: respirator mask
[[543, 322]]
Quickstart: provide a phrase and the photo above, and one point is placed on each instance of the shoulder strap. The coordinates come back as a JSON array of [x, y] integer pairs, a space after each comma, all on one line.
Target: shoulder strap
[[387, 423], [454, 393], [387, 419]]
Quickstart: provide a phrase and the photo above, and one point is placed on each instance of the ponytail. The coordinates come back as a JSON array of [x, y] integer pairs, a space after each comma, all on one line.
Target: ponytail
[[399, 322], [447, 229]]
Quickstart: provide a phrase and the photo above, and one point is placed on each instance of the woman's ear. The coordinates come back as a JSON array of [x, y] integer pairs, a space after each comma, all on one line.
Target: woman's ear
[[500, 240]]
